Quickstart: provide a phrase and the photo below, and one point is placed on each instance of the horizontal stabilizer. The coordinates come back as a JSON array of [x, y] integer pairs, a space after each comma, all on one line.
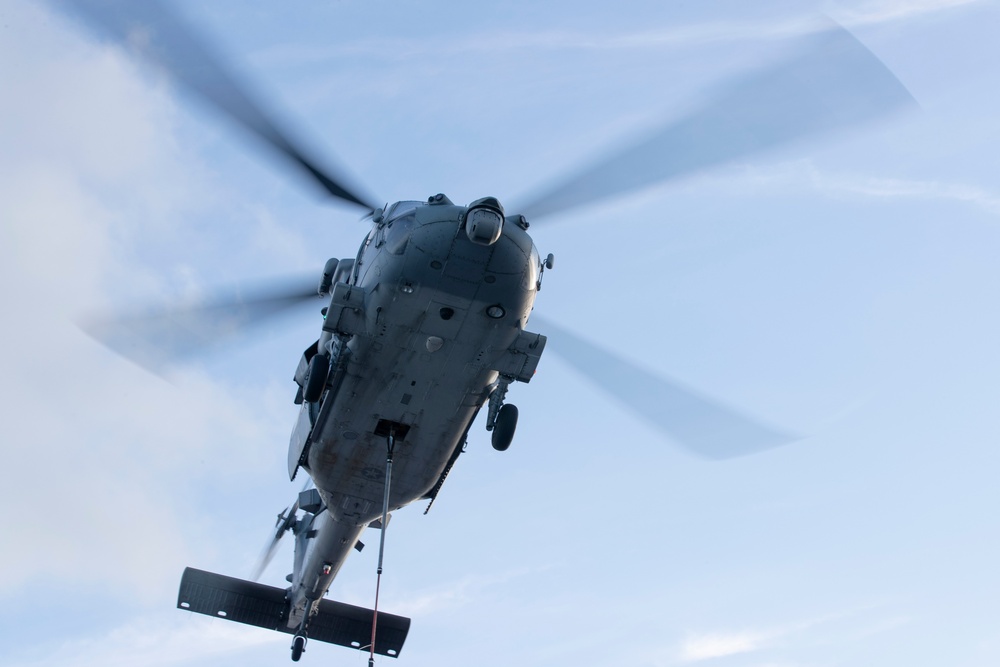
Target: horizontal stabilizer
[[265, 606]]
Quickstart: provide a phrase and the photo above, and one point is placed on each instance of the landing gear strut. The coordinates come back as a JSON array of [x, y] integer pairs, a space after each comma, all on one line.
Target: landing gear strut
[[299, 640]]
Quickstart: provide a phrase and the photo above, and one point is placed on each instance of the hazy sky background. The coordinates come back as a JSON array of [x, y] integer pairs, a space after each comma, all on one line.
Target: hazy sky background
[[844, 287]]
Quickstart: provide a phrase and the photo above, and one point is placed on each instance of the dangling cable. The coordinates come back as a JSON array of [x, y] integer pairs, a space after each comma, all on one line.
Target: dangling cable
[[391, 445]]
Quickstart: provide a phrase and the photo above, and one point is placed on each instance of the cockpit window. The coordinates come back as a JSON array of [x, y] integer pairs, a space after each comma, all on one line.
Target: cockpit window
[[400, 209], [397, 232]]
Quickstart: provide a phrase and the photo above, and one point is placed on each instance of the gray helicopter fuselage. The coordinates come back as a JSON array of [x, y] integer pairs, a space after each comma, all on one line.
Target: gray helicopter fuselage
[[433, 323]]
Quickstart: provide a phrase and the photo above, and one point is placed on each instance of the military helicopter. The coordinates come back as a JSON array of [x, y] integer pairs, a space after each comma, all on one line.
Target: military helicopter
[[426, 325]]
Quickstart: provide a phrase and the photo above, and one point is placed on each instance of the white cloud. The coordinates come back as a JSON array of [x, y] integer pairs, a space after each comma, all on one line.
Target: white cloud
[[845, 627], [718, 645], [798, 174], [881, 625], [547, 40], [900, 188], [161, 640], [456, 594], [101, 461], [883, 11], [864, 13]]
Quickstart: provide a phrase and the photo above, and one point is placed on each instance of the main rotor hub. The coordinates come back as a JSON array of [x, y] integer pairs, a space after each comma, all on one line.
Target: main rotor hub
[[484, 221]]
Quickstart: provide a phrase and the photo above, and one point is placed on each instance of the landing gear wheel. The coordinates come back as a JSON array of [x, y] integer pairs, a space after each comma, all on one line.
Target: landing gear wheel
[[319, 369], [298, 647], [503, 429]]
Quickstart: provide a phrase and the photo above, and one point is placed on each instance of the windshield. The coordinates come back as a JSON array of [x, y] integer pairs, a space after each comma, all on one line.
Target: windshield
[[401, 208]]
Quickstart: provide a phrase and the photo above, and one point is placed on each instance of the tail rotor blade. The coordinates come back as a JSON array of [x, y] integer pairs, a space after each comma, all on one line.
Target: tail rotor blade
[[286, 521], [699, 424]]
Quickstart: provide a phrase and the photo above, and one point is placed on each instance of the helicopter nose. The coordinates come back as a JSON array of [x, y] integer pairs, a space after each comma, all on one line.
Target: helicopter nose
[[484, 221]]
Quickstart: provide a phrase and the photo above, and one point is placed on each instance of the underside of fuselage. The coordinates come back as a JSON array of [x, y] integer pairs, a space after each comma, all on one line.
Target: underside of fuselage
[[431, 353], [427, 324]]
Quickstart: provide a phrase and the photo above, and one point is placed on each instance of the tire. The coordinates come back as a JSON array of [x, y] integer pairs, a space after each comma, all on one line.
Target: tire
[[503, 429], [319, 369], [298, 647]]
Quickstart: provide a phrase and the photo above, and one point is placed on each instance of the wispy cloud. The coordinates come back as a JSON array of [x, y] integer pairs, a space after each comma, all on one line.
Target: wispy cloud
[[799, 176], [804, 174], [838, 627], [546, 41], [675, 36], [881, 625], [698, 646], [456, 594], [159, 640], [717, 645], [124, 454], [884, 11], [900, 188]]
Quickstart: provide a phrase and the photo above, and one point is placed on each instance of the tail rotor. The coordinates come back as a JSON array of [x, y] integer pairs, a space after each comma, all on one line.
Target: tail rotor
[[287, 520]]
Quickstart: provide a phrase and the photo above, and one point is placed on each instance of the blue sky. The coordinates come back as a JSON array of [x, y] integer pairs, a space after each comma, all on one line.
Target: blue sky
[[843, 287]]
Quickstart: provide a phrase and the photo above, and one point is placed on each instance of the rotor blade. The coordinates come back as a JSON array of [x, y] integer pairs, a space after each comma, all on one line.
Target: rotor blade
[[271, 547], [149, 29], [701, 425], [832, 82], [285, 521], [155, 336]]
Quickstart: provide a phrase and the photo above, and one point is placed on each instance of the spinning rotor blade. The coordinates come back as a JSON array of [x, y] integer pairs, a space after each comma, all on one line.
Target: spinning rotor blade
[[147, 27], [697, 423], [286, 520], [153, 337], [833, 82]]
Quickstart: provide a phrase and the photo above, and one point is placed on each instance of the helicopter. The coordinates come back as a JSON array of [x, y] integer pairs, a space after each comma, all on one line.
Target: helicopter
[[427, 325]]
